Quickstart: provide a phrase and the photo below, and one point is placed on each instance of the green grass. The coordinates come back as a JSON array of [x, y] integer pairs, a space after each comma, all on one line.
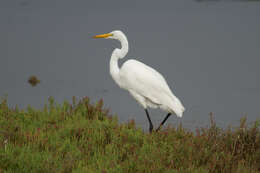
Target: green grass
[[81, 137]]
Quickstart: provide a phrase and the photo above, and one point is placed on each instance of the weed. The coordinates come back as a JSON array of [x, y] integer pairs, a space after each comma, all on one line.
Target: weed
[[82, 137]]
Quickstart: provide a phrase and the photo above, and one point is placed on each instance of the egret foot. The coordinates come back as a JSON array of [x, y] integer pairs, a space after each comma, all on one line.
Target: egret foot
[[151, 128], [167, 116]]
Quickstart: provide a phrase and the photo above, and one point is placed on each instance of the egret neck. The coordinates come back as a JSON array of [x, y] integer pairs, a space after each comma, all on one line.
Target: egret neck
[[144, 83], [118, 54]]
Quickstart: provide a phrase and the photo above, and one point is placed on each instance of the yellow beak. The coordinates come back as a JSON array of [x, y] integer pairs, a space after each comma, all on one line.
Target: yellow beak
[[103, 35]]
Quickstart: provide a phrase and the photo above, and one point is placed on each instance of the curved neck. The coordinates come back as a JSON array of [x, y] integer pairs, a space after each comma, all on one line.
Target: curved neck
[[124, 47], [118, 54]]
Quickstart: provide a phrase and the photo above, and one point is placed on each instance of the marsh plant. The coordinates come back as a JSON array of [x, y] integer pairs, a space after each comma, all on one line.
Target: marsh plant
[[84, 137]]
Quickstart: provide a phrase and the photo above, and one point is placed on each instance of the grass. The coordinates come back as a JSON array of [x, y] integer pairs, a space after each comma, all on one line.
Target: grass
[[82, 137]]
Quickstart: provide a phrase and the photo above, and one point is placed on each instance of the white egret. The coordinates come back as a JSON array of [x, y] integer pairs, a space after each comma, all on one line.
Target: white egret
[[144, 83]]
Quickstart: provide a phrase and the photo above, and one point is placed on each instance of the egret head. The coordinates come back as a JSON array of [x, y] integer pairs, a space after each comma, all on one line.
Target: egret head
[[120, 36], [112, 35]]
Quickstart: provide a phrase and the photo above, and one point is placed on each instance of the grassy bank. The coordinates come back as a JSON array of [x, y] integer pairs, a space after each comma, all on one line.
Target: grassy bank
[[81, 137]]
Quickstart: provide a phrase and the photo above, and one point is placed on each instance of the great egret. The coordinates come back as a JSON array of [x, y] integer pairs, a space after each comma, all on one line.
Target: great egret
[[144, 83]]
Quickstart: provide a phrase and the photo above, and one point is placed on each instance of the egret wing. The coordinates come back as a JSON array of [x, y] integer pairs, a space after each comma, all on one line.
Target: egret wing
[[144, 80]]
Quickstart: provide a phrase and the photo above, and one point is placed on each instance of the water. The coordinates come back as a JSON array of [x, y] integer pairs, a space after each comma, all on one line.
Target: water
[[208, 52]]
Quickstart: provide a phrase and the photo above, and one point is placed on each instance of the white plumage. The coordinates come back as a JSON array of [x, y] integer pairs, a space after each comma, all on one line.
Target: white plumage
[[149, 87], [145, 84]]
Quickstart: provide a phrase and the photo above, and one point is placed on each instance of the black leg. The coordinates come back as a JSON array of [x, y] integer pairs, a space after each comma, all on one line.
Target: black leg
[[150, 122], [167, 116]]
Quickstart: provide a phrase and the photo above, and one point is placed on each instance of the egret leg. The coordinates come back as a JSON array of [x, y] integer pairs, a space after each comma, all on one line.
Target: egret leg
[[167, 116], [150, 122]]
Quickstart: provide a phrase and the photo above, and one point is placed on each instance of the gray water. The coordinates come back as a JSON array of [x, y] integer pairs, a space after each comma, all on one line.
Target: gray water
[[208, 52]]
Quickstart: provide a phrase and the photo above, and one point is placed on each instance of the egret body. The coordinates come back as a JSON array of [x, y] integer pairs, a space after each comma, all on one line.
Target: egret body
[[145, 84]]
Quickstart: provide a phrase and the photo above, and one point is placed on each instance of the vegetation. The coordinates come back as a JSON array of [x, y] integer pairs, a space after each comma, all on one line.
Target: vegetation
[[81, 137]]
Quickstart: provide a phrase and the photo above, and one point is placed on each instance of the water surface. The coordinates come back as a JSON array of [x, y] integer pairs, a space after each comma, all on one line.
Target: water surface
[[208, 52]]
